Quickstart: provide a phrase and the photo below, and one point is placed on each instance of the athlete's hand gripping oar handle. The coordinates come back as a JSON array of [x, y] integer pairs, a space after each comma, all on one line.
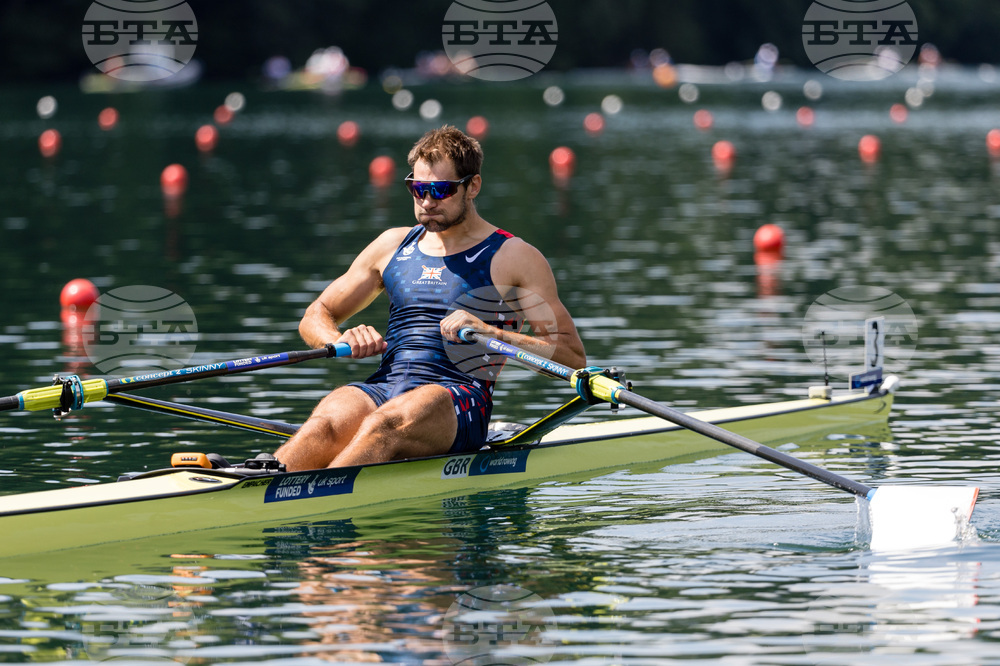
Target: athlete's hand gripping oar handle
[[612, 391], [73, 392]]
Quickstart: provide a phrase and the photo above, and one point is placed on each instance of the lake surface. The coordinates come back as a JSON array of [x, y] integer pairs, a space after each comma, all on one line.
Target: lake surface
[[723, 560]]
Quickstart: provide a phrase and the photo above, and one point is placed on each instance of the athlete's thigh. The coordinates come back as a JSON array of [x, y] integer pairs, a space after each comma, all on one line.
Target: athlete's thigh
[[347, 404], [424, 417]]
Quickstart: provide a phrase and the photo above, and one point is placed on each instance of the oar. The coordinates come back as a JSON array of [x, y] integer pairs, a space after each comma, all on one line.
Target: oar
[[901, 516], [251, 423], [72, 392]]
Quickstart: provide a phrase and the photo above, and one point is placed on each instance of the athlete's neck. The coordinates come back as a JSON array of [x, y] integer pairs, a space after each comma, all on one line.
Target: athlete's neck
[[472, 231]]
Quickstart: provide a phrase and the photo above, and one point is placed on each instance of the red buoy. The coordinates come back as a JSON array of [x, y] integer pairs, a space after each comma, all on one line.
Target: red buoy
[[477, 127], [993, 142], [381, 171], [769, 238], [76, 298], [107, 118], [723, 154], [79, 293], [206, 138], [348, 133], [223, 115], [174, 180], [869, 148], [593, 123], [562, 162], [49, 143], [805, 116], [703, 119], [898, 113]]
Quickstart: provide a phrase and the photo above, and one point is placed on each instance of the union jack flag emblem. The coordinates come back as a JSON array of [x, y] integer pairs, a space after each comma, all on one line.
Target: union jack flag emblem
[[431, 273]]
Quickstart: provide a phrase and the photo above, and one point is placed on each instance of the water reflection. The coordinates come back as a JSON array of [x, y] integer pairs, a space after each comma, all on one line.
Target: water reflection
[[903, 605], [723, 558]]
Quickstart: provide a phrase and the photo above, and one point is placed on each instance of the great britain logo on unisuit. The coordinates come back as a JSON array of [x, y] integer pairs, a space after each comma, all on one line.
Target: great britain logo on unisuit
[[430, 274]]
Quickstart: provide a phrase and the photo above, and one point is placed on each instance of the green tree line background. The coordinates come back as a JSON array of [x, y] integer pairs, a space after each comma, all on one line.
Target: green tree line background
[[41, 40]]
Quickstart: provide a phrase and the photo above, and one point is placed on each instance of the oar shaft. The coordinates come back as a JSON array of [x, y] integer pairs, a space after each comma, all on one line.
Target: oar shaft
[[251, 423], [740, 442], [612, 391], [50, 397]]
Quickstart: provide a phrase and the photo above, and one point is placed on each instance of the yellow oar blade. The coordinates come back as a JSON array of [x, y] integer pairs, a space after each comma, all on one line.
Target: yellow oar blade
[[906, 517]]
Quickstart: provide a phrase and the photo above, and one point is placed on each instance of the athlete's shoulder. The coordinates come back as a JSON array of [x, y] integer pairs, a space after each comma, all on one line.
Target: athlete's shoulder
[[516, 246], [397, 234], [390, 239]]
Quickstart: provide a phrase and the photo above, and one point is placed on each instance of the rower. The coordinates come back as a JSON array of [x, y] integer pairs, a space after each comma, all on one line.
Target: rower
[[452, 271]]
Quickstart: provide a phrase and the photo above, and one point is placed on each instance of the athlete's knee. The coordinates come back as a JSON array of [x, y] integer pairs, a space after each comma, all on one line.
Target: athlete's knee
[[385, 420]]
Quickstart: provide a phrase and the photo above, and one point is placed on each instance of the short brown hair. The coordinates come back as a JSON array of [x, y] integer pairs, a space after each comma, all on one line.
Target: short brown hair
[[449, 142]]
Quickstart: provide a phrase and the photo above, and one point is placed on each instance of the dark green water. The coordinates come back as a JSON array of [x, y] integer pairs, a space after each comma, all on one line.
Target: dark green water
[[725, 559]]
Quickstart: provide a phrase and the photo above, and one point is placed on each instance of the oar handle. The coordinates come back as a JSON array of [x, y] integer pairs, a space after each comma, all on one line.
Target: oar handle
[[613, 391], [91, 390]]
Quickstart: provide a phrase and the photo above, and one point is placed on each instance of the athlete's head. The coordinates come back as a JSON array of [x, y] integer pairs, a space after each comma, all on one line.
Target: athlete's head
[[447, 143]]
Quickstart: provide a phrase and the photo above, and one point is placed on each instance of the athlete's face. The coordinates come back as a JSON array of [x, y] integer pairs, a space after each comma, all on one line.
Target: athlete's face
[[441, 214]]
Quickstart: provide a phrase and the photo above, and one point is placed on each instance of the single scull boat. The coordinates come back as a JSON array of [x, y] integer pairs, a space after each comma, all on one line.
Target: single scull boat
[[199, 492], [184, 498]]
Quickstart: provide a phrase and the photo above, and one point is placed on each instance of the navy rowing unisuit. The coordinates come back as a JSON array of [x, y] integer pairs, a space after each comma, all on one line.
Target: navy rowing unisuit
[[422, 290]]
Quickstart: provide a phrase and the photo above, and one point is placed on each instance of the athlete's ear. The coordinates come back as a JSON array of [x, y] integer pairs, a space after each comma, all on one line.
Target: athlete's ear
[[475, 185]]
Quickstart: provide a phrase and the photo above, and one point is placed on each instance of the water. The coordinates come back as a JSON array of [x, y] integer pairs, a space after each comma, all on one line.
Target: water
[[725, 559]]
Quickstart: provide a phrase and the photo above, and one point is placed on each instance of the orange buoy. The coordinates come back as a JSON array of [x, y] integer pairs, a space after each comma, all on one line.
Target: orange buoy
[[805, 116], [174, 180], [723, 154], [703, 119], [993, 142], [223, 115], [562, 162], [477, 127], [50, 142], [381, 171], [898, 113], [206, 138], [107, 118], [348, 133], [665, 75], [593, 123], [869, 148], [769, 238]]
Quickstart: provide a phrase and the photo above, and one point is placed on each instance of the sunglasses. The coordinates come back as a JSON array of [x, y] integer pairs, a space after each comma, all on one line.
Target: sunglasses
[[438, 189]]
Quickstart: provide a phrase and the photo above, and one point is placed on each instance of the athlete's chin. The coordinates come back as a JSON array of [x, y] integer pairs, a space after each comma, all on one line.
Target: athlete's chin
[[438, 224]]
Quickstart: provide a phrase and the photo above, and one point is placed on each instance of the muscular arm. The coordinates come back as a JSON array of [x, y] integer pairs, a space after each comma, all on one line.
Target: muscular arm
[[349, 294], [518, 264]]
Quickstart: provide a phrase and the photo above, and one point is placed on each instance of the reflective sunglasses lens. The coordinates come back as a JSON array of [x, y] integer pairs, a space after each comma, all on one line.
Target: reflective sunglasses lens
[[437, 189]]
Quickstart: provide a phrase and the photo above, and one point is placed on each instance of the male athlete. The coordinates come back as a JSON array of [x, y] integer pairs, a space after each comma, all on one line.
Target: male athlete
[[418, 402]]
